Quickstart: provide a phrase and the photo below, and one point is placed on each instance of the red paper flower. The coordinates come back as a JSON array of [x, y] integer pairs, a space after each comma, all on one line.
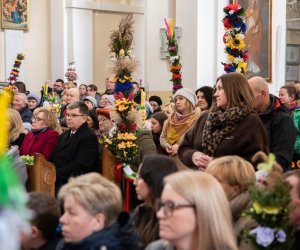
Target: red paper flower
[[246, 56], [133, 126], [227, 23], [122, 126], [131, 96], [176, 77], [234, 7]]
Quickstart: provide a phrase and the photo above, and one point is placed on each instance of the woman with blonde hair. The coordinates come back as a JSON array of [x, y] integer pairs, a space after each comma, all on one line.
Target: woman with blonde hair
[[188, 219], [231, 127], [183, 118], [236, 176], [92, 216], [16, 128], [44, 134]]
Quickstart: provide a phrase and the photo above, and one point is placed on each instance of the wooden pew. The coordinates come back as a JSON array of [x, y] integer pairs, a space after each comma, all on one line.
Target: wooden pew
[[109, 163], [41, 175]]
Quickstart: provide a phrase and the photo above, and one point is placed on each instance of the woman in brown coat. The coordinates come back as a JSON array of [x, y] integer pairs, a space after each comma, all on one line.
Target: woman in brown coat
[[230, 128]]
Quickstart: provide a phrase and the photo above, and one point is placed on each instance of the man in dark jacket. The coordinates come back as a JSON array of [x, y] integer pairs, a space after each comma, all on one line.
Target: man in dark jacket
[[76, 151], [278, 124]]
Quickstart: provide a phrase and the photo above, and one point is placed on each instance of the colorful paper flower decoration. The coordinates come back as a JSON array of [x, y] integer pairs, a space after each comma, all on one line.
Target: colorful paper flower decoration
[[175, 66], [14, 74], [71, 73], [234, 39]]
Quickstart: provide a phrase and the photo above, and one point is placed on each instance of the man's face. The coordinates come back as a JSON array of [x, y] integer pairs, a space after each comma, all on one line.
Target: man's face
[[18, 102], [75, 119], [258, 98], [110, 84], [294, 218], [58, 86]]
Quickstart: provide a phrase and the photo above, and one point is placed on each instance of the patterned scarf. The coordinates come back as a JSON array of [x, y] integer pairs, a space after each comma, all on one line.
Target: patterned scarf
[[219, 124], [179, 124]]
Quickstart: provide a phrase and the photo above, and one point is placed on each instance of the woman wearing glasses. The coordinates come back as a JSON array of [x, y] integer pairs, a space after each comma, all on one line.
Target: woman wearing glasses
[[43, 136], [231, 127], [193, 214], [148, 186]]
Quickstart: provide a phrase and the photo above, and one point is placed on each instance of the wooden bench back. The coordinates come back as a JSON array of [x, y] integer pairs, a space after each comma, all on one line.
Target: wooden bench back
[[41, 175]]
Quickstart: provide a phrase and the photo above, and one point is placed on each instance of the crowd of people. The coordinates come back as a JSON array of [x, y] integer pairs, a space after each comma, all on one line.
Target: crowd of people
[[194, 167]]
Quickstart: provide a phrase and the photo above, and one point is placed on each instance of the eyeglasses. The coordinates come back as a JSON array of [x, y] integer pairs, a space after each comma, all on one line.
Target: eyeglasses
[[73, 115], [36, 119], [170, 206]]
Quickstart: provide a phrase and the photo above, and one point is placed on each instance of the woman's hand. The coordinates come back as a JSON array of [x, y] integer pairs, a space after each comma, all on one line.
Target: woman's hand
[[168, 148], [174, 149], [201, 160]]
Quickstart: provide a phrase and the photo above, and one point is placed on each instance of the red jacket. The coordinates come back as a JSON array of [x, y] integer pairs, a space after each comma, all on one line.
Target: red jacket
[[43, 143]]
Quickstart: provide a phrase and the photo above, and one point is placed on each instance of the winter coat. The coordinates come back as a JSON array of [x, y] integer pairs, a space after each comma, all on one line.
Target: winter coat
[[248, 138], [120, 236], [146, 145], [160, 245], [43, 142], [26, 114], [296, 119], [238, 205], [281, 131], [75, 155]]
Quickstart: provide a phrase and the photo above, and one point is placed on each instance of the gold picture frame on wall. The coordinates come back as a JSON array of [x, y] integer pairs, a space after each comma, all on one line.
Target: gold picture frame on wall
[[15, 14], [258, 37]]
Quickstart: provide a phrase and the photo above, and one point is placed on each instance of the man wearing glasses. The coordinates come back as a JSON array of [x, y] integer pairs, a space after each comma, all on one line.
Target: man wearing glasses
[[76, 151]]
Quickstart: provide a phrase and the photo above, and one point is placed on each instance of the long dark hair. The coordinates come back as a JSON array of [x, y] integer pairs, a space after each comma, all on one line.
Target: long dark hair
[[208, 93], [153, 170]]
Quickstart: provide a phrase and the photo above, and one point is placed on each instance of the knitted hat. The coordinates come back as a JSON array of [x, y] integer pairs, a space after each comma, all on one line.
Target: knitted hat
[[156, 99], [92, 100], [104, 111], [188, 94], [33, 96], [160, 117], [111, 99]]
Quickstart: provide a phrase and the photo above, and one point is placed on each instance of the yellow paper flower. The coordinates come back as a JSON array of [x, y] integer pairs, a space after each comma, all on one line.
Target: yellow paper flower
[[122, 108], [242, 66], [267, 210], [122, 145], [230, 58], [5, 99], [236, 44]]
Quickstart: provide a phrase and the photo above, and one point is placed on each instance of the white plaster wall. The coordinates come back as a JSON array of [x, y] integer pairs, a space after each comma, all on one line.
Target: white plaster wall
[[37, 65], [139, 45], [278, 44], [58, 39], [157, 73], [187, 19], [2, 56], [80, 43]]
